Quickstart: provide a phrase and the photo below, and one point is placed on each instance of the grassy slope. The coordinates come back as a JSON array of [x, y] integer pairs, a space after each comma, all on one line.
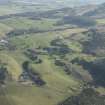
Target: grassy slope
[[12, 66], [4, 29], [58, 86]]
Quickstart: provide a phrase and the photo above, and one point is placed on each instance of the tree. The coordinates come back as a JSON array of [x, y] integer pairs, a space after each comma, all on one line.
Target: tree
[[87, 97]]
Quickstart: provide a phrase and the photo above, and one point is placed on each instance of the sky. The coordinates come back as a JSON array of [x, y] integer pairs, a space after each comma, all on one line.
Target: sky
[[92, 1], [97, 1], [74, 2]]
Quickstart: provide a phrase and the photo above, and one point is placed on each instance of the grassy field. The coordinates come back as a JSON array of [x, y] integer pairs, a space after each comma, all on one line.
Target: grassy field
[[59, 85], [101, 21], [52, 93], [14, 8], [36, 95], [4, 29], [12, 66], [25, 23]]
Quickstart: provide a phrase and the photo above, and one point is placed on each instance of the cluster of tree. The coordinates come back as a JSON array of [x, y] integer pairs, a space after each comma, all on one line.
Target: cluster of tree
[[96, 68], [3, 74], [58, 48], [67, 67], [33, 55], [61, 51], [57, 42], [96, 43], [87, 97], [77, 20], [74, 70], [30, 73]]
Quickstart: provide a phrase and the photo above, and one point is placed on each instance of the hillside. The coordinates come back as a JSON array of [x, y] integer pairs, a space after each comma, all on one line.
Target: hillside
[[98, 13], [51, 55]]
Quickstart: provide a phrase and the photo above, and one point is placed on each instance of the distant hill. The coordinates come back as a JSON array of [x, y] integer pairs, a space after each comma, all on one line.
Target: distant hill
[[99, 12], [62, 2], [4, 1]]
